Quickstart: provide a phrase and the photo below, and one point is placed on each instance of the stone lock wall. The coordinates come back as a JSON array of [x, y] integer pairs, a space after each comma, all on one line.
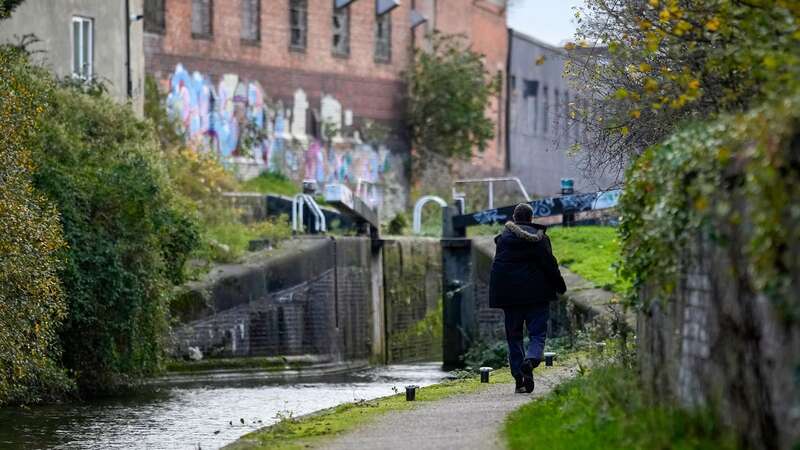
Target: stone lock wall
[[341, 299], [718, 344], [413, 299], [313, 297]]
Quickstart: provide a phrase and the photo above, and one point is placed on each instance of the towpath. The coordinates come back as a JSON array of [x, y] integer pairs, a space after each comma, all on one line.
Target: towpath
[[468, 421]]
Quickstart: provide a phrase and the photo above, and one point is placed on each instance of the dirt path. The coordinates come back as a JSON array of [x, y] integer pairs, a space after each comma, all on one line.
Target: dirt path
[[470, 421]]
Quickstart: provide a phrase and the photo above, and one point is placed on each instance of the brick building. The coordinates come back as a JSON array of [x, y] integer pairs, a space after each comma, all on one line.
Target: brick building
[[307, 88]]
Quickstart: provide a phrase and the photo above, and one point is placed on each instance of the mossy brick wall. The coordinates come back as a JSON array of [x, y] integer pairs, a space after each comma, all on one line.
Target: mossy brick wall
[[715, 343], [312, 297], [412, 271]]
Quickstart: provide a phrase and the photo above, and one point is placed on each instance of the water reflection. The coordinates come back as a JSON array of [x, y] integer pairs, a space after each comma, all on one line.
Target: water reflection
[[206, 415]]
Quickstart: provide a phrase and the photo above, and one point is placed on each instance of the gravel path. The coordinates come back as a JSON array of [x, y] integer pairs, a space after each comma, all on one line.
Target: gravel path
[[469, 421]]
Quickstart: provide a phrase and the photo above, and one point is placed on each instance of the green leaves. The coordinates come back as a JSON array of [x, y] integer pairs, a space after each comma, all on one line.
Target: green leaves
[[449, 92], [730, 182]]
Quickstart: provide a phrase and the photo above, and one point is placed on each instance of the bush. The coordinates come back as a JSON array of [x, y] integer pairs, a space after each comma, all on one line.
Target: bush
[[32, 302], [710, 179], [128, 234]]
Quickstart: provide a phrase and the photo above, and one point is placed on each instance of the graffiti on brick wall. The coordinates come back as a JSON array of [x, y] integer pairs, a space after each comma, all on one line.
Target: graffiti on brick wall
[[234, 118]]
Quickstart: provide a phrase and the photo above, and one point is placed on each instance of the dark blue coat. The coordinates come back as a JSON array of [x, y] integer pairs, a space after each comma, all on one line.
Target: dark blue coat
[[524, 270]]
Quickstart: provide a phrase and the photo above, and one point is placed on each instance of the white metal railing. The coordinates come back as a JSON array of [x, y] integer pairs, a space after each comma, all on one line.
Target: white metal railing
[[298, 202], [417, 221], [460, 197]]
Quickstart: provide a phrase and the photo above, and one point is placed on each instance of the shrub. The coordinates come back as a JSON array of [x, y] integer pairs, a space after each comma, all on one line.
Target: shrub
[[741, 170], [128, 234], [32, 303]]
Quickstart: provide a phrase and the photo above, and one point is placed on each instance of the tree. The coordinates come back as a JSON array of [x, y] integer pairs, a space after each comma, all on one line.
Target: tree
[[32, 304], [449, 90], [7, 7], [655, 64]]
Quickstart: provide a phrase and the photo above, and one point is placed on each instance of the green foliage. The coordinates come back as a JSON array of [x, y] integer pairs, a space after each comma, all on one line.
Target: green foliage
[[592, 252], [486, 354], [735, 181], [7, 7], [673, 60], [227, 240], [607, 409], [398, 224], [271, 183], [449, 90], [32, 304], [128, 235]]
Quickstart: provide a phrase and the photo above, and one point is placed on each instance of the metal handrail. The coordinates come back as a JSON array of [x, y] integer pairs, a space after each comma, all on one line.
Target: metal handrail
[[461, 197], [298, 202]]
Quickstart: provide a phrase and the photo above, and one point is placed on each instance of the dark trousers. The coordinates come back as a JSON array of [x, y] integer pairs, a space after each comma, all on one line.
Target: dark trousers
[[534, 318]]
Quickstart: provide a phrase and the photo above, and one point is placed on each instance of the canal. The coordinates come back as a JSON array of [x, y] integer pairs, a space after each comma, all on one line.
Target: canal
[[205, 414]]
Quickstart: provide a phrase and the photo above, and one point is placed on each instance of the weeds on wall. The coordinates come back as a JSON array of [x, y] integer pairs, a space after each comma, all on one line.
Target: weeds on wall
[[738, 175]]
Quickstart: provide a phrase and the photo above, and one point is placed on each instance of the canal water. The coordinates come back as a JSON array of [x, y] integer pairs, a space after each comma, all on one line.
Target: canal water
[[206, 414]]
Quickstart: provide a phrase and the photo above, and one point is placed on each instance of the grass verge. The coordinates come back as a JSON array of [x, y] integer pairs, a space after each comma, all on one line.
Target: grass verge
[[291, 433], [271, 183], [607, 409], [592, 252]]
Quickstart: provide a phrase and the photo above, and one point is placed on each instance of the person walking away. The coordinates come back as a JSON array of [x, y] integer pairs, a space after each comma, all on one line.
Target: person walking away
[[524, 280]]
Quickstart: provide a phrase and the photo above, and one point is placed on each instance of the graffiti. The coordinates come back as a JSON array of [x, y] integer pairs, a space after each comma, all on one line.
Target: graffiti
[[235, 119], [544, 207], [489, 217]]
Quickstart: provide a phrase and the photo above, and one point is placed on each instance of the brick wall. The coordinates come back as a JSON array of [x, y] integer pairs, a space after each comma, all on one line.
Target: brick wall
[[715, 343]]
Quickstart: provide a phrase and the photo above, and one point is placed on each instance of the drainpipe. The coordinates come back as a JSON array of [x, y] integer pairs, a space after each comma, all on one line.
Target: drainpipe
[[128, 83], [508, 99]]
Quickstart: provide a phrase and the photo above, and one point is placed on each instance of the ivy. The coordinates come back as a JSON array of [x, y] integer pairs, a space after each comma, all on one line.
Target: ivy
[[738, 176]]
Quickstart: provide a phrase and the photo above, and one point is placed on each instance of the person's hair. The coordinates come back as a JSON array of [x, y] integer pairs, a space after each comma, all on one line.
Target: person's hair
[[523, 213]]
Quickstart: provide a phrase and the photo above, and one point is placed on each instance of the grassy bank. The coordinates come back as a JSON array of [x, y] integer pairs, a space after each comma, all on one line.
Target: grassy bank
[[606, 409], [592, 252], [299, 433]]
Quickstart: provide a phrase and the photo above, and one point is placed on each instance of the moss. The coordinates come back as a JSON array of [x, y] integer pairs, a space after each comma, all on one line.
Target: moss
[[429, 329], [303, 432]]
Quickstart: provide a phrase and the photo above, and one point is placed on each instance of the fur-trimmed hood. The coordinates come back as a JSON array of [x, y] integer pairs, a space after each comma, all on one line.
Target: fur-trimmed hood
[[527, 232]]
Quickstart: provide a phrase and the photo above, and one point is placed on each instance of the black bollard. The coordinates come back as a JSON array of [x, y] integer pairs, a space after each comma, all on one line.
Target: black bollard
[[548, 358], [411, 393], [485, 374]]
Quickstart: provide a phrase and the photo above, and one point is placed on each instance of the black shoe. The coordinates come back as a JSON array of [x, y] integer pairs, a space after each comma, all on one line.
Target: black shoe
[[520, 385], [527, 375]]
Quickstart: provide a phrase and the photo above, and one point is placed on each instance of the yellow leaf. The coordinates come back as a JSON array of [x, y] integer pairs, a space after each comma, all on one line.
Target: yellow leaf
[[650, 85], [569, 45], [644, 67], [635, 114], [713, 24], [664, 15], [700, 204], [624, 131], [694, 84], [653, 3], [540, 60]]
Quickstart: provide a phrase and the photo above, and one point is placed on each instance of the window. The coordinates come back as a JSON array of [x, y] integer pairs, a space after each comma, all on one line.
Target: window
[[566, 110], [531, 96], [383, 38], [251, 21], [298, 21], [557, 105], [545, 109], [341, 31], [154, 16], [202, 18], [82, 47]]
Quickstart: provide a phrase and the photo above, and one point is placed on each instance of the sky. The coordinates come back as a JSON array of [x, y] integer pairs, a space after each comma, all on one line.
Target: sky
[[547, 20]]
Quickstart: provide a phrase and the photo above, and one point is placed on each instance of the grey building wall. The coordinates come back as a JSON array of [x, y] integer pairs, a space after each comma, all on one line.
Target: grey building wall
[[541, 134], [51, 22]]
